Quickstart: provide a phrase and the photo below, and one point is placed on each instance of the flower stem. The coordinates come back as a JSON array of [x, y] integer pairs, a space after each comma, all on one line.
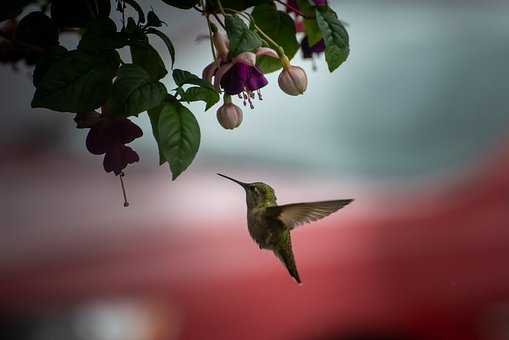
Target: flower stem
[[210, 35], [221, 9], [219, 20]]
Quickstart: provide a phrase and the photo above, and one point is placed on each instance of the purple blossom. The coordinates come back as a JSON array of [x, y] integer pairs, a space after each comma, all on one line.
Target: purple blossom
[[241, 77], [108, 137], [308, 51]]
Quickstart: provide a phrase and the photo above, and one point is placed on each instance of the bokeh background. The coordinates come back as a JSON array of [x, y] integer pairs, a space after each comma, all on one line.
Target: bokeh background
[[415, 127]]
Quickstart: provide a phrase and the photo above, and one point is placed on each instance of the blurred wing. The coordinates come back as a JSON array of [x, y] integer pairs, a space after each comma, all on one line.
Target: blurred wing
[[296, 214]]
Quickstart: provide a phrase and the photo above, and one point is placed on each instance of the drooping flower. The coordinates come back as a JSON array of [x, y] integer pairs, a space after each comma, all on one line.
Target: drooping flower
[[229, 115], [309, 51], [293, 80], [238, 75], [109, 136]]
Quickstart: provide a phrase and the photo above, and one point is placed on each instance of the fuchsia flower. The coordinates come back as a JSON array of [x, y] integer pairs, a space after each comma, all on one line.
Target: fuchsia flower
[[240, 75], [109, 136], [309, 51]]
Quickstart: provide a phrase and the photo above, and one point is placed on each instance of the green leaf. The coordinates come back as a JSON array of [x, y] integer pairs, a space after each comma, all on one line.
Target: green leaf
[[312, 31], [78, 13], [101, 34], [197, 93], [136, 91], [306, 8], [77, 82], [179, 136], [153, 20], [138, 9], [184, 4], [280, 27], [146, 56], [154, 121], [335, 37], [131, 26], [239, 5], [182, 77], [167, 42], [43, 65], [242, 39]]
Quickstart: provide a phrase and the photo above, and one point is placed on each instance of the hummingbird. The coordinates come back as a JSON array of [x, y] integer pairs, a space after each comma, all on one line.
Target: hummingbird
[[270, 224]]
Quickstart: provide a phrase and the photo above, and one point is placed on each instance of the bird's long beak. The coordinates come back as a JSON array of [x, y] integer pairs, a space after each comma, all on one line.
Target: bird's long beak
[[242, 184]]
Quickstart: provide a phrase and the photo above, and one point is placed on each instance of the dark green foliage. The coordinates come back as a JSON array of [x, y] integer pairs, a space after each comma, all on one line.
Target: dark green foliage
[[146, 56], [136, 6], [281, 28], [37, 29], [93, 76], [238, 5], [182, 77], [204, 91], [101, 34], [183, 4], [43, 65], [306, 8], [134, 91], [312, 31], [78, 13], [242, 39], [77, 82], [337, 45], [153, 20], [197, 93], [178, 135], [167, 42]]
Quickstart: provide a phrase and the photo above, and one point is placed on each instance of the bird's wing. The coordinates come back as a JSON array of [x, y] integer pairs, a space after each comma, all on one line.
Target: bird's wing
[[296, 214]]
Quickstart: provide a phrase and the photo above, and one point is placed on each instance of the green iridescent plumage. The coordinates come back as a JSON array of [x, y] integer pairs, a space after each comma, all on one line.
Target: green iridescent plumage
[[270, 224]]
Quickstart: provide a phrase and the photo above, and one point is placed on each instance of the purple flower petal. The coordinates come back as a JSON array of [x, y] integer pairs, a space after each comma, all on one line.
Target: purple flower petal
[[320, 2], [107, 133], [126, 131], [117, 158], [98, 141], [234, 80], [256, 79], [307, 51]]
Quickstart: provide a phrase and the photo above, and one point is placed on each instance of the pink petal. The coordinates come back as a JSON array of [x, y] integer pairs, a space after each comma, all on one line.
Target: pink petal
[[248, 58], [265, 51], [220, 73], [208, 71]]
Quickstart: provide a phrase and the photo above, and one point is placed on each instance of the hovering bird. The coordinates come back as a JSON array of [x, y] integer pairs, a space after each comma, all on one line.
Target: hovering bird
[[270, 224]]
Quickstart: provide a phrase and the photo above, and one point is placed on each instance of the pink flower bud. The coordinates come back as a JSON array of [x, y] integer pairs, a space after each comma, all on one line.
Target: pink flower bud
[[229, 116], [293, 80]]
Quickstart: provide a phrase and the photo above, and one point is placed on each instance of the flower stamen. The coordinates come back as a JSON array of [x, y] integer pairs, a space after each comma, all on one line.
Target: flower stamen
[[126, 203]]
